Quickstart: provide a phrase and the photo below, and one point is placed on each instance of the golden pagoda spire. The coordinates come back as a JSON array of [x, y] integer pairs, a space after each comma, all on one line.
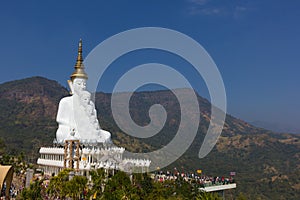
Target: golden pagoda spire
[[79, 67]]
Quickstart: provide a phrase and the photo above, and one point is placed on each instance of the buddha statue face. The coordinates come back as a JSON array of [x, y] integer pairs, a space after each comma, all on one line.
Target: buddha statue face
[[79, 85], [85, 97]]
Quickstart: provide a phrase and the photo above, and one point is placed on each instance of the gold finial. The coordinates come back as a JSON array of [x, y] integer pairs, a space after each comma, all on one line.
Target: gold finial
[[79, 68]]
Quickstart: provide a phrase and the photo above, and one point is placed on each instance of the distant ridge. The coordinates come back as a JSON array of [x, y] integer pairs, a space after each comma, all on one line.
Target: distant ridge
[[276, 127], [267, 164]]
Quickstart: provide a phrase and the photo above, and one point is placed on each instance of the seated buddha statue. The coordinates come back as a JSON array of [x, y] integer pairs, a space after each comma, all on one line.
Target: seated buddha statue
[[77, 112]]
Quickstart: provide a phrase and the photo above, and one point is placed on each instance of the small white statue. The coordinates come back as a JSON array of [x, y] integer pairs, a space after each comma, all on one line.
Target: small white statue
[[89, 108]]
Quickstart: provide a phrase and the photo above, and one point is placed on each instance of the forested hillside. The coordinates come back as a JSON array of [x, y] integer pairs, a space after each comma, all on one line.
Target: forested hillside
[[267, 164]]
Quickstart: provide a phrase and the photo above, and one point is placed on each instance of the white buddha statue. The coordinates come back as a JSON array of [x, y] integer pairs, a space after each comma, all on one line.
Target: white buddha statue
[[77, 112]]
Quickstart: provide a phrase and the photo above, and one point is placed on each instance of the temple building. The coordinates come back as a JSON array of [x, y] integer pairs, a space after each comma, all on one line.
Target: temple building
[[80, 143]]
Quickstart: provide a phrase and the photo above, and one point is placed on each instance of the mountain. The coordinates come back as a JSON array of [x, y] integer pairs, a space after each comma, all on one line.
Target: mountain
[[267, 164], [28, 109], [277, 127]]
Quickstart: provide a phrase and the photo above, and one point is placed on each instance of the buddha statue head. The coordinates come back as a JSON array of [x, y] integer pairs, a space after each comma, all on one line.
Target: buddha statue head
[[79, 85]]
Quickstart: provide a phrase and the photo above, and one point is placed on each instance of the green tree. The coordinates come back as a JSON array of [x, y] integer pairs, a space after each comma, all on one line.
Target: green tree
[[34, 192], [57, 186], [146, 184], [75, 187], [2, 147], [183, 188], [60, 185], [98, 183], [119, 187], [241, 196], [161, 191], [207, 196]]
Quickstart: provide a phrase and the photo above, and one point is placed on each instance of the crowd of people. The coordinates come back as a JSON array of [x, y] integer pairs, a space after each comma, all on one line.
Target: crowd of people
[[13, 191], [199, 178]]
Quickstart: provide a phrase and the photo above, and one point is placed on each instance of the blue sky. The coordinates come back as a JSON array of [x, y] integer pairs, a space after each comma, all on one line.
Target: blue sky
[[255, 44]]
